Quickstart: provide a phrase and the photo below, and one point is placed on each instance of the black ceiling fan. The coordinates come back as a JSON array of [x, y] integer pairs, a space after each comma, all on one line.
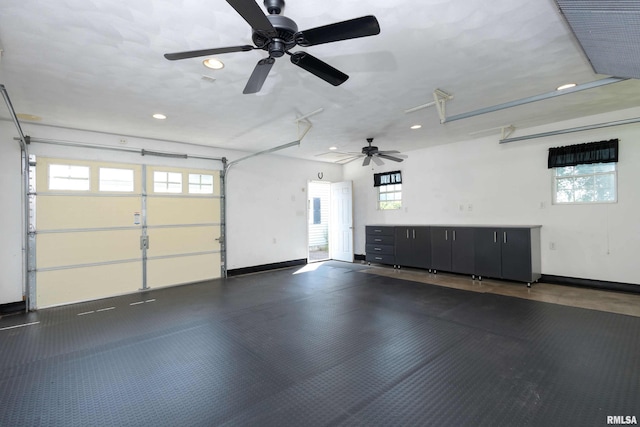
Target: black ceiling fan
[[277, 34], [371, 152]]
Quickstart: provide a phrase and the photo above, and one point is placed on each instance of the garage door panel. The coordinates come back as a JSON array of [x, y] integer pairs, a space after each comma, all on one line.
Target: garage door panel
[[184, 269], [73, 212], [183, 240], [66, 286], [182, 210], [68, 249]]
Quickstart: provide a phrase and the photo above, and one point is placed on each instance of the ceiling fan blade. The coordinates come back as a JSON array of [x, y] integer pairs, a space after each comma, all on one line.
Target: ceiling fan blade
[[377, 161], [319, 68], [259, 75], [389, 152], [251, 12], [395, 159], [366, 161], [207, 52], [351, 29]]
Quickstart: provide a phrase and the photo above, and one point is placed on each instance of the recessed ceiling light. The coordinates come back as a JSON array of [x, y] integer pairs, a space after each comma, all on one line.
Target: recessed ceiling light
[[566, 86], [213, 63], [416, 126], [159, 116], [333, 148]]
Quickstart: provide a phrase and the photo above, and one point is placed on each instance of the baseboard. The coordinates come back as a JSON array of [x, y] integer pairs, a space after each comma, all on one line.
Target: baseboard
[[588, 283], [266, 267], [359, 257], [13, 307]]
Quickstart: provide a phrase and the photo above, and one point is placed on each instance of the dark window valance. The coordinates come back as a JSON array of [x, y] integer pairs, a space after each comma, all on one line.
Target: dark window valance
[[387, 178], [580, 154]]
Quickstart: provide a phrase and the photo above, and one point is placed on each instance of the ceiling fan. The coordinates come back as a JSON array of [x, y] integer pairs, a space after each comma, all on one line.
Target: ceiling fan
[[371, 152], [278, 34]]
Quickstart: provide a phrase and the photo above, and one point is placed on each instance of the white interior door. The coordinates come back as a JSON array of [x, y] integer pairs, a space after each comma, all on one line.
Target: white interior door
[[341, 242]]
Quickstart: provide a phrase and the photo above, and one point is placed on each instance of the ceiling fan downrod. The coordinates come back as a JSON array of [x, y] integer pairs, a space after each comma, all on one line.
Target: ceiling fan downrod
[[274, 7]]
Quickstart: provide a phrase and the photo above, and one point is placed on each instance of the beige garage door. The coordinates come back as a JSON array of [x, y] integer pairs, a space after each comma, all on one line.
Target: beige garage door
[[105, 229]]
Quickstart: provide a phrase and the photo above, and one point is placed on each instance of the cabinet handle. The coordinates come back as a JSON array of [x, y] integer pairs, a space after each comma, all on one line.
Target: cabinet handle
[[407, 233], [446, 234], [414, 233], [454, 235], [504, 236], [377, 240], [378, 258], [377, 231], [377, 249], [495, 237]]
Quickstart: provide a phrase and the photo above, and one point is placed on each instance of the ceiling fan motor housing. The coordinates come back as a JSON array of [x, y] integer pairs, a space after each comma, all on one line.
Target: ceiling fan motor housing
[[283, 41]]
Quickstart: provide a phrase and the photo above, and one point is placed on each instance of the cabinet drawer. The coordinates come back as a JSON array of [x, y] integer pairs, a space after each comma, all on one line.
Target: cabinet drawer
[[380, 230], [380, 258], [380, 249], [380, 239]]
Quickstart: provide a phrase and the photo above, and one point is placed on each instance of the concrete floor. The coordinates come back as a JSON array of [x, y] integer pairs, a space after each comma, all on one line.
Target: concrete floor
[[593, 299]]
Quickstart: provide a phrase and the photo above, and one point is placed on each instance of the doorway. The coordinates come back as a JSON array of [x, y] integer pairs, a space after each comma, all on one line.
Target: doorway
[[330, 221], [319, 202]]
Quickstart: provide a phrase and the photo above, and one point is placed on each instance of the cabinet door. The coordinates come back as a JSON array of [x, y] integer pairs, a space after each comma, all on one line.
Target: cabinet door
[[404, 247], [441, 248], [488, 252], [462, 250], [516, 254], [422, 247]]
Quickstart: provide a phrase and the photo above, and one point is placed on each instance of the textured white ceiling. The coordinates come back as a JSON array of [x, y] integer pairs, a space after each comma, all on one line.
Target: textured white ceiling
[[98, 65]]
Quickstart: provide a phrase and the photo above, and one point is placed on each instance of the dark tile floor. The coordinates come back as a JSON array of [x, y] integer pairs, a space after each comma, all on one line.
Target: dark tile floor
[[323, 345]]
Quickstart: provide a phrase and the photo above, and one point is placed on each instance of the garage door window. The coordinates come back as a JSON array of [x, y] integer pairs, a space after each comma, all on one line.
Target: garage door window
[[69, 177], [200, 184], [116, 180], [167, 182]]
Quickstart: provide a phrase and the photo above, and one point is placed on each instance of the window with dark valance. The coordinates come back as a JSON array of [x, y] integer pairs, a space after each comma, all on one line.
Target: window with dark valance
[[387, 178], [582, 154]]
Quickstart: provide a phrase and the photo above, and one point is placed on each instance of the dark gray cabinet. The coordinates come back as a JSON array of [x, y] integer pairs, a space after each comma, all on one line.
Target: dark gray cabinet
[[380, 244], [441, 238], [462, 250], [501, 252], [452, 249], [413, 246], [488, 251], [521, 254], [511, 253]]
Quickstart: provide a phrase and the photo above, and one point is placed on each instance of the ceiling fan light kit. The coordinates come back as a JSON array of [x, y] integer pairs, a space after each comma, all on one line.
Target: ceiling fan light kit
[[277, 34]]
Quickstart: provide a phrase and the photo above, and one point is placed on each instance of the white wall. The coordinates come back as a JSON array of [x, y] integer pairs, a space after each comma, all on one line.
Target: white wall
[[266, 195], [267, 204], [10, 216], [482, 182]]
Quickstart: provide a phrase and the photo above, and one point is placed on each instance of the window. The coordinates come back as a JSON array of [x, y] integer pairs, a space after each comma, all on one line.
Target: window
[[317, 212], [115, 180], [68, 177], [390, 196], [167, 182], [591, 183], [200, 184], [389, 189]]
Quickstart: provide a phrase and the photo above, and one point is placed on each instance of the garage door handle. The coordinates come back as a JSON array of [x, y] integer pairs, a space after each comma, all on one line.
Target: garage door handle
[[144, 242]]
